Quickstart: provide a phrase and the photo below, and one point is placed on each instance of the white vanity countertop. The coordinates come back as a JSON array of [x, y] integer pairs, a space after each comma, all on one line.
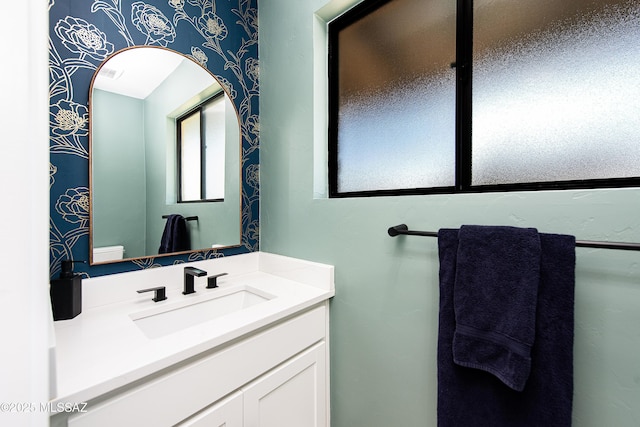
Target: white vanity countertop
[[103, 349]]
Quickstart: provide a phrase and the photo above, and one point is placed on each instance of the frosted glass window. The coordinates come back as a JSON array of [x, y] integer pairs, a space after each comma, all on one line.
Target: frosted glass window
[[201, 149], [556, 86], [190, 170], [484, 95], [394, 97], [214, 131]]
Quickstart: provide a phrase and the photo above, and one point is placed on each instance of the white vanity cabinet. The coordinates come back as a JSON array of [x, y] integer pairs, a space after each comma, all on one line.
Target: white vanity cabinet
[[292, 395], [275, 376]]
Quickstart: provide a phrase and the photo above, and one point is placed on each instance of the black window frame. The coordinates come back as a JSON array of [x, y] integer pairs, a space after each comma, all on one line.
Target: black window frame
[[463, 125], [203, 162]]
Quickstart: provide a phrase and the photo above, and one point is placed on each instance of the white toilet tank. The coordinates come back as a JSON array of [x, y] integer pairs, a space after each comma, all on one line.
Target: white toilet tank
[[108, 253]]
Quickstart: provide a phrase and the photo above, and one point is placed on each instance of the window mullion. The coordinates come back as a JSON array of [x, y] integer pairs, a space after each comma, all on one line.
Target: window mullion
[[203, 154], [464, 43], [179, 156]]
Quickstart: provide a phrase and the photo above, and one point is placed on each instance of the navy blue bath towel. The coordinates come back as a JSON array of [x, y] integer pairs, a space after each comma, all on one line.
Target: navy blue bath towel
[[495, 298], [175, 237], [469, 397]]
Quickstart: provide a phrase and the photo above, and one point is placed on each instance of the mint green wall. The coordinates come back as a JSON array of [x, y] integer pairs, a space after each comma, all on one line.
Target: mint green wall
[[218, 222], [118, 170], [384, 314]]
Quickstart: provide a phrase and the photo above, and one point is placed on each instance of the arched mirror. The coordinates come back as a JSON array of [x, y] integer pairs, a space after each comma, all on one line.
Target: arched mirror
[[164, 158]]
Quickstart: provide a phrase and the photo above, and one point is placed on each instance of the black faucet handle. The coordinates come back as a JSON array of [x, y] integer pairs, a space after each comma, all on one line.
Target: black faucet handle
[[212, 281], [159, 293]]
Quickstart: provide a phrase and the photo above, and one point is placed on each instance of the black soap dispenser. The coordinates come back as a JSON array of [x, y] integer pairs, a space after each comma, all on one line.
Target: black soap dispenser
[[66, 293]]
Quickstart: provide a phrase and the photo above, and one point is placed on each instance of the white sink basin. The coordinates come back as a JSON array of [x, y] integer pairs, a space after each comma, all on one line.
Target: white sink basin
[[162, 321]]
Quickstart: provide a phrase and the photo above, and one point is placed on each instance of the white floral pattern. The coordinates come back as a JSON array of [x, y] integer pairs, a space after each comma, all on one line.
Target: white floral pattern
[[252, 176], [212, 26], [69, 118], [152, 22], [79, 36], [52, 174], [199, 56], [252, 69], [253, 125], [177, 4], [228, 87], [73, 205], [146, 263]]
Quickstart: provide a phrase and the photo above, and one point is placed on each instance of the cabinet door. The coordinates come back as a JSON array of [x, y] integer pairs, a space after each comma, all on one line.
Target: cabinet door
[[226, 413], [292, 395]]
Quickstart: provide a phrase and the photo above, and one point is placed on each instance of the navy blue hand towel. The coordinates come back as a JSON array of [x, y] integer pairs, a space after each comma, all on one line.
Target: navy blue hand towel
[[495, 296], [472, 397], [175, 237]]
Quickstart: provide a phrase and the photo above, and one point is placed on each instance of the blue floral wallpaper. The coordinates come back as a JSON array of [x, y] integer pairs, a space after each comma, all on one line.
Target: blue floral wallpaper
[[222, 35]]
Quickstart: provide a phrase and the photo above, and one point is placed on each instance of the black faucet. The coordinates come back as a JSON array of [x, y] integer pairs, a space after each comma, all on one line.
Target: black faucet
[[189, 273]]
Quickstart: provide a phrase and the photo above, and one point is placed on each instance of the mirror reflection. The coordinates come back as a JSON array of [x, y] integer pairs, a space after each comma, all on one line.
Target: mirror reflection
[[165, 158]]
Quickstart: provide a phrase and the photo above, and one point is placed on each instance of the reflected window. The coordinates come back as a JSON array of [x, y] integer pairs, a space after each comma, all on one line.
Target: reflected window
[[493, 96], [201, 152]]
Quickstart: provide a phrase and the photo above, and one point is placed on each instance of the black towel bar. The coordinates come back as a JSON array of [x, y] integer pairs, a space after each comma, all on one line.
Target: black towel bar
[[403, 229], [187, 218]]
